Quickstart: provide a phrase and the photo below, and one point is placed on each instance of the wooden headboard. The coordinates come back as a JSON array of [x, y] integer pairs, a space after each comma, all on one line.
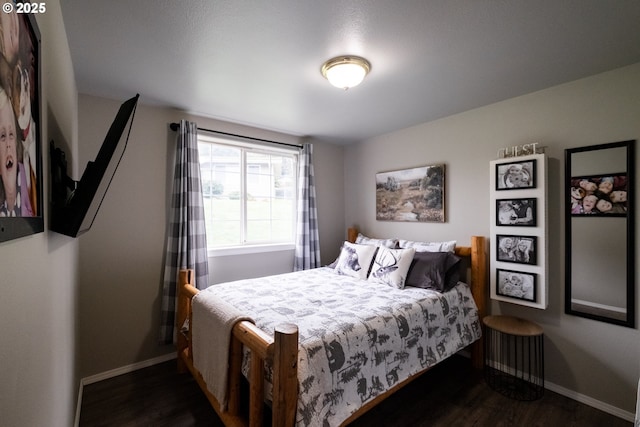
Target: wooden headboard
[[476, 255]]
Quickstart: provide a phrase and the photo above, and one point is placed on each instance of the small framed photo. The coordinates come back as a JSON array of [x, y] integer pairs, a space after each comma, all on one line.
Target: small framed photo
[[516, 284], [516, 212], [599, 195], [517, 249], [516, 175]]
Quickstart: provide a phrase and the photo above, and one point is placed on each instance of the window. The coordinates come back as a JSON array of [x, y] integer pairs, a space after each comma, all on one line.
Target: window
[[249, 193]]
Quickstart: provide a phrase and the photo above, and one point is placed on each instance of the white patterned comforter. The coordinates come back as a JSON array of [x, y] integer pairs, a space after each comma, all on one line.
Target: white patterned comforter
[[357, 338]]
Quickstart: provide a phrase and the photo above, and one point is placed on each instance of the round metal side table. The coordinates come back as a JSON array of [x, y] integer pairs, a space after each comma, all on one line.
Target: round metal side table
[[514, 357]]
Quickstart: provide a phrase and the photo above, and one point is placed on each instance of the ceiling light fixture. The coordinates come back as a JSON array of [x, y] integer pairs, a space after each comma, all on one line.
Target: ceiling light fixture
[[345, 71]]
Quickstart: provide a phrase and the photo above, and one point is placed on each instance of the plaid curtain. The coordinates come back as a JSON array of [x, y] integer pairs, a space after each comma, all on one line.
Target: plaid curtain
[[187, 240], [307, 252]]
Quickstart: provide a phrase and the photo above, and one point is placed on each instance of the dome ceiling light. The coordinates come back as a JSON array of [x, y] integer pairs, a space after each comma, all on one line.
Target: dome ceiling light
[[345, 71]]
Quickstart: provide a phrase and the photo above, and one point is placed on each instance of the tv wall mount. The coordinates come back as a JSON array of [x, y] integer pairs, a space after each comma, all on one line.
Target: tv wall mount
[[75, 204]]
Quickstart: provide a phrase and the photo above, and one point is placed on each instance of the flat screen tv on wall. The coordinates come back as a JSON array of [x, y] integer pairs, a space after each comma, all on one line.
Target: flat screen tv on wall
[[75, 204]]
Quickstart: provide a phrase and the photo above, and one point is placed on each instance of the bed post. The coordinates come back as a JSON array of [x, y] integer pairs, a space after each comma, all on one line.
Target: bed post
[[352, 234], [183, 311], [285, 375], [479, 291]]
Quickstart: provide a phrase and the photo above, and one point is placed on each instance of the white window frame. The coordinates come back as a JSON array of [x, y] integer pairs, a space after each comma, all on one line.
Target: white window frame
[[251, 248]]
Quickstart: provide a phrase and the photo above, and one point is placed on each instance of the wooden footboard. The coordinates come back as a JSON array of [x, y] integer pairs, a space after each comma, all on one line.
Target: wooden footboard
[[281, 352]]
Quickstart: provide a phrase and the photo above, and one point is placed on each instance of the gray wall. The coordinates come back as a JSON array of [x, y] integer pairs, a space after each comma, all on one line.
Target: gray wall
[[122, 256], [38, 377], [585, 359]]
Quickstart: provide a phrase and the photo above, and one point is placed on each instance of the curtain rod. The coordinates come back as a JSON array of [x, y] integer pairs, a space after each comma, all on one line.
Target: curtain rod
[[174, 127]]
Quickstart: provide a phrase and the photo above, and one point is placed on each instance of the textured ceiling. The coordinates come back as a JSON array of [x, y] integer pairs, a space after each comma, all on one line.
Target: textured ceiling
[[258, 62]]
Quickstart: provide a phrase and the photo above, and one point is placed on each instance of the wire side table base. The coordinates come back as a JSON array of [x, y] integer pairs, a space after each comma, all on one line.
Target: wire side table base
[[514, 357]]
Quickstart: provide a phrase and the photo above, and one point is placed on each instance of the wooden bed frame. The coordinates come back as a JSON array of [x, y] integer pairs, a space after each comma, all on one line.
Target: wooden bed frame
[[281, 352]]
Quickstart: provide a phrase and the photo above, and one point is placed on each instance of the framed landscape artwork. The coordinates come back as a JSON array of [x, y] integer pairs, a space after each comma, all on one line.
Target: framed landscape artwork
[[413, 195]]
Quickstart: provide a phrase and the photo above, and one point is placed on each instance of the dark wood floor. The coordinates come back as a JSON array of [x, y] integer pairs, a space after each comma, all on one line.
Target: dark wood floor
[[451, 394]]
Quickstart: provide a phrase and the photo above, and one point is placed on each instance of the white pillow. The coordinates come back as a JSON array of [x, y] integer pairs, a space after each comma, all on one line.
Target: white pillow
[[449, 246], [391, 266], [388, 243], [355, 260]]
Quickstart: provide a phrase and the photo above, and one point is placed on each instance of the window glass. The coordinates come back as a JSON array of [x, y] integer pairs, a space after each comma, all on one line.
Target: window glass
[[249, 193]]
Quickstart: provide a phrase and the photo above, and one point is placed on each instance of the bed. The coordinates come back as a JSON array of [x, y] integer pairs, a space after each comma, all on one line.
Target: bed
[[327, 366]]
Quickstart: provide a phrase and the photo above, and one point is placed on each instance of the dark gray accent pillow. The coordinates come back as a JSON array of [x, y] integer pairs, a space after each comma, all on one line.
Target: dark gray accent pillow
[[438, 271]]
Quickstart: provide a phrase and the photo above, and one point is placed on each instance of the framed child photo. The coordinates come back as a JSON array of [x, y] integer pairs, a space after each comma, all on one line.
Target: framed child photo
[[516, 175], [516, 284], [599, 195], [21, 189], [516, 249], [516, 212]]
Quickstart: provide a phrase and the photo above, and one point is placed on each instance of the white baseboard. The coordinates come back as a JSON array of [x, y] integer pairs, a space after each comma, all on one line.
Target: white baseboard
[[126, 369], [114, 373], [78, 405], [594, 403], [605, 407]]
